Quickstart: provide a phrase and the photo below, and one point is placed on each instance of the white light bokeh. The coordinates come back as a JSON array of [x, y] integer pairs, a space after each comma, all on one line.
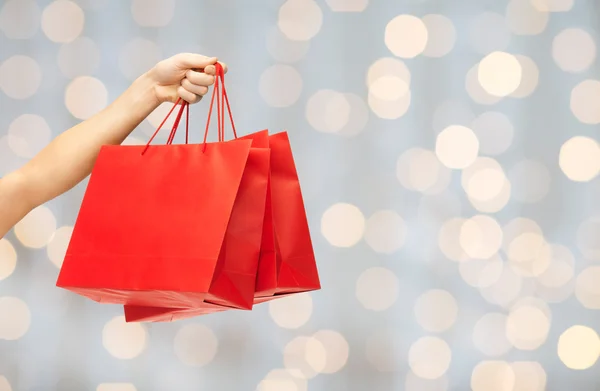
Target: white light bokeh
[[389, 88], [505, 290], [28, 134], [283, 49], [489, 335], [4, 384], [480, 237], [481, 273], [415, 383], [429, 357], [448, 240], [441, 35], [530, 77], [420, 170], [300, 20], [291, 312], [328, 111], [282, 380], [280, 85], [579, 347], [527, 327], [499, 73], [138, 56], [20, 77], [486, 185], [488, 32], [587, 288], [457, 147], [79, 58], [85, 96], [573, 50], [35, 230], [8, 259], [359, 116], [493, 376], [585, 101], [343, 225], [553, 5], [560, 270], [388, 67], [579, 158], [385, 231], [389, 109], [305, 357], [403, 26], [347, 5], [195, 345], [337, 350], [436, 310], [152, 13], [16, 318], [529, 376], [20, 19], [63, 21], [525, 19], [57, 247], [494, 131], [116, 387], [529, 254], [530, 181], [377, 288], [476, 92], [122, 340]]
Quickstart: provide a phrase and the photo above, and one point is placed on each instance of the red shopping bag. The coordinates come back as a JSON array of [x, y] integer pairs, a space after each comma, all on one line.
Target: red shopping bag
[[155, 228]]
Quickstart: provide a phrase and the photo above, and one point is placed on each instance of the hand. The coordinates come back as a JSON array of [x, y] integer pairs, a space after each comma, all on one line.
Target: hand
[[185, 75]]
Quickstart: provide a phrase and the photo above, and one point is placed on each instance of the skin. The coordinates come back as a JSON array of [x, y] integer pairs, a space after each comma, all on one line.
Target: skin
[[69, 158]]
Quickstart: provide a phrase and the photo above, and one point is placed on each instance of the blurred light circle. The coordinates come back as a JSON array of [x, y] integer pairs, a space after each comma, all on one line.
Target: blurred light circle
[[385, 231], [494, 131], [403, 26], [137, 56], [578, 347], [517, 227], [527, 327], [560, 269], [579, 158], [343, 225], [291, 312], [524, 19], [16, 318], [529, 254], [280, 85], [4, 384], [20, 77], [57, 247], [529, 376], [486, 185], [441, 35], [195, 345], [79, 58], [85, 96], [452, 112], [488, 32], [153, 13], [585, 102], [300, 20], [499, 73], [480, 237], [573, 50], [587, 288], [457, 147], [436, 310], [347, 5], [116, 387], [530, 181], [389, 88], [415, 383], [28, 134], [448, 239], [359, 116], [62, 21], [587, 238], [304, 357], [36, 229], [489, 335], [283, 49], [420, 170], [388, 109], [505, 290], [429, 357], [475, 90], [388, 66], [282, 380], [123, 340], [377, 289], [328, 111], [336, 348], [530, 76], [8, 259], [19, 19], [481, 273], [553, 5], [493, 376]]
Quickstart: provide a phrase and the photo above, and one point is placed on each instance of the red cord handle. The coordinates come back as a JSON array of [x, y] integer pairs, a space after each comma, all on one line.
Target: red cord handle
[[184, 106]]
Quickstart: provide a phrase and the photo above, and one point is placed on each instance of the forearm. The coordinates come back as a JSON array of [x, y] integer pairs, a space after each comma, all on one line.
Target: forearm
[[70, 157]]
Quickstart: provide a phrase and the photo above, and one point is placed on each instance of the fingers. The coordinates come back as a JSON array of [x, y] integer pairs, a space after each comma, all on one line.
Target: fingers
[[188, 96], [211, 70], [194, 88], [199, 78], [192, 60]]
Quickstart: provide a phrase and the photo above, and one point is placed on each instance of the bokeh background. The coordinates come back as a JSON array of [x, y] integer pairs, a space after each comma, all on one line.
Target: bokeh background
[[449, 158]]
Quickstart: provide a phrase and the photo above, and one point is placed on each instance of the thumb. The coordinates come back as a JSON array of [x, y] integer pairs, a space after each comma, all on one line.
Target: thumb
[[193, 60]]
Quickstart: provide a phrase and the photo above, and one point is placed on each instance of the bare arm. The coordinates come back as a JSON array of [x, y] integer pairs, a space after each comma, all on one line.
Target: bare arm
[[69, 158]]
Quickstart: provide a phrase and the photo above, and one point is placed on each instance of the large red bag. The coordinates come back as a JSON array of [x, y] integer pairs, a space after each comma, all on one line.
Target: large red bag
[[154, 228]]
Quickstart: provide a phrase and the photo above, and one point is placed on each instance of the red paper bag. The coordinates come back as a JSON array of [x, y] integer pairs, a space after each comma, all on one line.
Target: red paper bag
[[154, 228]]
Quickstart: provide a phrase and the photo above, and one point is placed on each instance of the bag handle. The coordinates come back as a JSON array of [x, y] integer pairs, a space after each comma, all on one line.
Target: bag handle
[[184, 106], [220, 96]]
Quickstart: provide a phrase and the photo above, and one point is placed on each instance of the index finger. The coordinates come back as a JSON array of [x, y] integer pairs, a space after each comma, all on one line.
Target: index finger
[[211, 70]]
